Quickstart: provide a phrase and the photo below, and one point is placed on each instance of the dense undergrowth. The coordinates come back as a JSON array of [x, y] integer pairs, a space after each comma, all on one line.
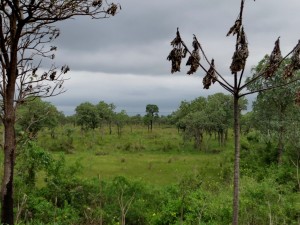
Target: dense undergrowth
[[73, 177]]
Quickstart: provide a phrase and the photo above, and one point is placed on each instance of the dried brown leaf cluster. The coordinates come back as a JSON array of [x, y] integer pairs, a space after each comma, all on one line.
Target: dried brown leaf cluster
[[194, 59], [97, 3], [210, 76], [65, 69], [274, 60], [295, 62], [178, 52], [52, 75], [241, 54], [235, 29], [112, 10]]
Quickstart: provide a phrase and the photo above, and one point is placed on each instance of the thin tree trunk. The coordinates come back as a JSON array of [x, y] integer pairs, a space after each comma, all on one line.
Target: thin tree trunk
[[7, 215], [280, 145], [236, 161]]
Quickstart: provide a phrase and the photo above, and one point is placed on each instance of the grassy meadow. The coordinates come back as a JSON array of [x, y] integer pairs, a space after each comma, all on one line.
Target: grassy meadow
[[160, 157]]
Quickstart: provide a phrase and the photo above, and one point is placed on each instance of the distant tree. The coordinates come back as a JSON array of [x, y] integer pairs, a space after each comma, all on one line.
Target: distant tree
[[147, 121], [247, 122], [106, 113], [121, 119], [211, 115], [237, 88], [136, 120], [152, 113], [35, 115], [164, 120], [87, 116], [27, 30]]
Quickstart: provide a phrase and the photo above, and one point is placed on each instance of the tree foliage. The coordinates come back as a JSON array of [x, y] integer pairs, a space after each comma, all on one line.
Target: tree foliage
[[106, 113], [211, 115], [151, 113], [87, 116], [274, 111], [35, 115]]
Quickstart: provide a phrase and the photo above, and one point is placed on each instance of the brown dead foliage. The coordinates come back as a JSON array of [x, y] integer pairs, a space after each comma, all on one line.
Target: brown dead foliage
[[210, 76]]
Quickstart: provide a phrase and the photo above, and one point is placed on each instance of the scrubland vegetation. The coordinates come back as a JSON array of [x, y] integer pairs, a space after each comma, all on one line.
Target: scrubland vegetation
[[68, 172]]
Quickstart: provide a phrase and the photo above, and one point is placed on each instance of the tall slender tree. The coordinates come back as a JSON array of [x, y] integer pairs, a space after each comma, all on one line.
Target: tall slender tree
[[238, 88], [26, 32], [152, 113]]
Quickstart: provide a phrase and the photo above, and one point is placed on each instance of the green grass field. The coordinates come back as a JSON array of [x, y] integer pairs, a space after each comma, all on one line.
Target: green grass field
[[159, 157]]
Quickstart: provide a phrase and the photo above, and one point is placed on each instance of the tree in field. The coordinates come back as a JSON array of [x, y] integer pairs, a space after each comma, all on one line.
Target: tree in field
[[151, 113], [191, 119], [35, 115], [106, 113], [87, 116], [219, 108], [27, 30], [238, 88], [121, 119], [211, 116], [275, 110]]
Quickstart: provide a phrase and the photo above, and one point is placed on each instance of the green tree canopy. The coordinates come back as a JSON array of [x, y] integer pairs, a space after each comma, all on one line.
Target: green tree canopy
[[37, 114], [106, 113], [275, 110], [152, 113], [87, 116]]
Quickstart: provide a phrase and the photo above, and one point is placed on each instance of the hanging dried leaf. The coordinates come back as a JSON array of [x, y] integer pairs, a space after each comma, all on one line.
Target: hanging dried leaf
[[52, 75], [177, 53], [241, 54], [274, 59], [235, 28], [175, 56], [112, 10], [195, 44], [97, 3], [193, 61], [275, 56], [177, 40], [65, 69], [295, 57], [210, 76], [295, 62], [239, 59], [242, 38]]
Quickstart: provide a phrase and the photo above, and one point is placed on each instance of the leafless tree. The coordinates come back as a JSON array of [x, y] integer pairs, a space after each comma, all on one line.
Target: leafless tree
[[26, 32], [239, 88]]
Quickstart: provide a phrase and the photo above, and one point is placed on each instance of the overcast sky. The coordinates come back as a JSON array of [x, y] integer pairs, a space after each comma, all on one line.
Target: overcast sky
[[122, 60]]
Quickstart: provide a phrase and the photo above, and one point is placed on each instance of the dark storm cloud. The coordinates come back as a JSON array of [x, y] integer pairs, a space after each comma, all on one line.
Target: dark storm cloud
[[122, 59]]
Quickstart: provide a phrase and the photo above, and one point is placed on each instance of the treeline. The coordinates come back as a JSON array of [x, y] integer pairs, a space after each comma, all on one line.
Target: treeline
[[274, 118]]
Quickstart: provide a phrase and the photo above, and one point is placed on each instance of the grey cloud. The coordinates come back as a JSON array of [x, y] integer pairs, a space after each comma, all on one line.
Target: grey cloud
[[123, 59]]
